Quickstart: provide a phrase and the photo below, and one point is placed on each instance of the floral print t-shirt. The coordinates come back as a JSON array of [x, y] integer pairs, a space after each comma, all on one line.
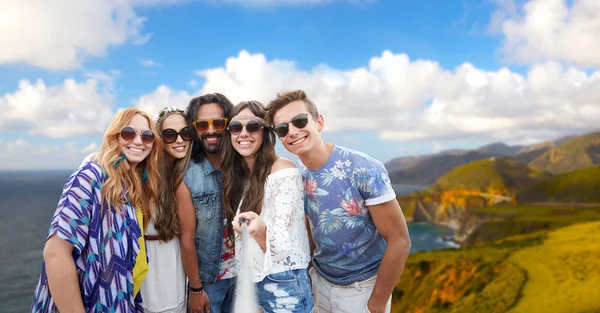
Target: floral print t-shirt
[[348, 246]]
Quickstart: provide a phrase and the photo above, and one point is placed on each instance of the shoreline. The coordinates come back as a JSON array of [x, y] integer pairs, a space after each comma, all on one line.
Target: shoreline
[[443, 239]]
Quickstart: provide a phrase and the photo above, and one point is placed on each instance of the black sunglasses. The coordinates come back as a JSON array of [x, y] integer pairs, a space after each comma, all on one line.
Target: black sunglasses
[[170, 135], [128, 134], [236, 127], [299, 121]]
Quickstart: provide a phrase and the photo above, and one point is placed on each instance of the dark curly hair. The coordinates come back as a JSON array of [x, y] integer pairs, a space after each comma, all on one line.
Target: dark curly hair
[[198, 153]]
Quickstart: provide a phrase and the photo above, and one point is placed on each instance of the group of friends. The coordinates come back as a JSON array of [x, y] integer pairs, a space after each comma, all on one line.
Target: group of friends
[[152, 221]]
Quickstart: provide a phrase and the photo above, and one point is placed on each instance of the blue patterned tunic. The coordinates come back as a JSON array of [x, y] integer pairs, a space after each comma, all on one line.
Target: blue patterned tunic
[[105, 246]]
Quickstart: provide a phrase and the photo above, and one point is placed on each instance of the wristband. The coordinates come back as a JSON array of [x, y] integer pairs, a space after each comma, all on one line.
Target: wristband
[[196, 290]]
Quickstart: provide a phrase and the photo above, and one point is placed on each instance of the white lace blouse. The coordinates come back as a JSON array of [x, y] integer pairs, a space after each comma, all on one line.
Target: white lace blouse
[[287, 245]]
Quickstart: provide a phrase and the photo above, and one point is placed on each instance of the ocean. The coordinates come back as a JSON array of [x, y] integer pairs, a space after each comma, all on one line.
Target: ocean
[[27, 203]]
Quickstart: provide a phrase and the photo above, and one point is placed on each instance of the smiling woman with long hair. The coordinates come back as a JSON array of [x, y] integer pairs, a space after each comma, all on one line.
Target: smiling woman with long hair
[[94, 257], [266, 190], [163, 290]]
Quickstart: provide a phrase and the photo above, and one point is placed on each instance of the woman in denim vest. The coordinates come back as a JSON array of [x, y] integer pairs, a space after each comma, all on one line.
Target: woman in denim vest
[[267, 191]]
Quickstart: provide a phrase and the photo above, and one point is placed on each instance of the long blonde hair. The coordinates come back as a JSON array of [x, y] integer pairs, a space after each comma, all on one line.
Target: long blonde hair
[[122, 181], [166, 221]]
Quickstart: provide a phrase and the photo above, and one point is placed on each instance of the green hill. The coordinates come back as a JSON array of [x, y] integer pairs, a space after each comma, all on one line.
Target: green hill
[[556, 271], [579, 152], [425, 170], [489, 174], [581, 186]]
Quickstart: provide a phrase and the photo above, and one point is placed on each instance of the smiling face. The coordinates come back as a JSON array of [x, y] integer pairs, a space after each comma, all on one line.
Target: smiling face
[[299, 141], [178, 148], [135, 150], [211, 138], [245, 143]]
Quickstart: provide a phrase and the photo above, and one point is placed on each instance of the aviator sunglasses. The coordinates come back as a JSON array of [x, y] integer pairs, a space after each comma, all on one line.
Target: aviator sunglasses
[[170, 135], [128, 134], [218, 123], [253, 126], [299, 121]]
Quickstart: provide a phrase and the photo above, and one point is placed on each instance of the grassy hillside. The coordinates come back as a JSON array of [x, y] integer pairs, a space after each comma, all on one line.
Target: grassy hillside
[[563, 273], [489, 174], [555, 271], [502, 221], [477, 280], [577, 153], [581, 186], [428, 170]]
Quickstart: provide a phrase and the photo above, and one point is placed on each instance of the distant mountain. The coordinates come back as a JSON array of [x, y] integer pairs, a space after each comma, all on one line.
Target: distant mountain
[[555, 156], [499, 149], [490, 174], [428, 169], [529, 153], [576, 153], [404, 162]]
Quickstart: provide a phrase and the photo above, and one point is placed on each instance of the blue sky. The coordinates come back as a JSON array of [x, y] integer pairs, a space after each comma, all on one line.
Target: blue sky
[[391, 78]]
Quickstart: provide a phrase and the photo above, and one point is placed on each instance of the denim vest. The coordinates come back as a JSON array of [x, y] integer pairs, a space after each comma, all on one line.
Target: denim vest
[[205, 184]]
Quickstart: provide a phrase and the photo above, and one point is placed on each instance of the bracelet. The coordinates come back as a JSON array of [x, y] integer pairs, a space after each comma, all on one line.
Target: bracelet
[[196, 290]]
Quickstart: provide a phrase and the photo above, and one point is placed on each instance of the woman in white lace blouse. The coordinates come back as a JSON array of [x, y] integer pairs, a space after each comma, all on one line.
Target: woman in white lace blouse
[[267, 191]]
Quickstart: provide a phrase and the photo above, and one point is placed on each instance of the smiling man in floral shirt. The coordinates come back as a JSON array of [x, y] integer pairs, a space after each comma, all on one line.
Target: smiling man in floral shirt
[[359, 232]]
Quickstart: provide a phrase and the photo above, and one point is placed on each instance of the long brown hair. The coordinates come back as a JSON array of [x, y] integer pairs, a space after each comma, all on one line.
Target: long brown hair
[[122, 181], [166, 221], [192, 109], [236, 172]]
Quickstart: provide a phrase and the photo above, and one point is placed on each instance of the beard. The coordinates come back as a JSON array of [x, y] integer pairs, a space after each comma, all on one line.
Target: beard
[[211, 148]]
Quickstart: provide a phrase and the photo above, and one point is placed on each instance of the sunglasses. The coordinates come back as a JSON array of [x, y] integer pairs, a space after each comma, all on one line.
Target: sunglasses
[[128, 134], [253, 126], [299, 121], [170, 135], [218, 123]]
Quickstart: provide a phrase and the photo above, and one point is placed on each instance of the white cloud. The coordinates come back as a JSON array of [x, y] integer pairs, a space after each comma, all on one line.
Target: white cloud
[[416, 100], [161, 97], [149, 63], [69, 109], [90, 148], [22, 154], [106, 77], [550, 30], [59, 35]]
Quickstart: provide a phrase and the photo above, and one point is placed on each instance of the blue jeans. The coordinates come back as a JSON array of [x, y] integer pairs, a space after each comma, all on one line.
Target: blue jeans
[[287, 291], [221, 295]]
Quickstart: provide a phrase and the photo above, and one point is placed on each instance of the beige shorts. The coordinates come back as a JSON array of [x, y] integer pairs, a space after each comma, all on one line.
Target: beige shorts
[[330, 298]]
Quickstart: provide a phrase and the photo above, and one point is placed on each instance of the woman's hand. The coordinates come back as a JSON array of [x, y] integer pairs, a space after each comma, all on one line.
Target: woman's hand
[[257, 228]]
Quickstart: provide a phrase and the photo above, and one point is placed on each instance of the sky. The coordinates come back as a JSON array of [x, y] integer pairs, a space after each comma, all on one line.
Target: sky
[[390, 77]]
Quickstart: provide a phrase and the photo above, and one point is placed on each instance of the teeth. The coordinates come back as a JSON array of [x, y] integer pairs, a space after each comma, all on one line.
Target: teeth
[[179, 148], [245, 143], [135, 150], [299, 141]]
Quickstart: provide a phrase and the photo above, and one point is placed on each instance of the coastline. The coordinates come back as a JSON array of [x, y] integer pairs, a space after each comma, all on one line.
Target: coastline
[[428, 236]]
